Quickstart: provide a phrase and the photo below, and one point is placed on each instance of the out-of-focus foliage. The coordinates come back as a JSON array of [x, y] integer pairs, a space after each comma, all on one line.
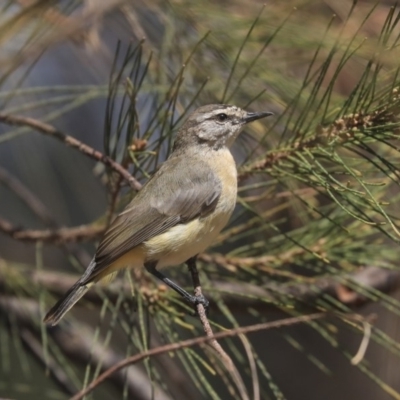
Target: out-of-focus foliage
[[319, 187]]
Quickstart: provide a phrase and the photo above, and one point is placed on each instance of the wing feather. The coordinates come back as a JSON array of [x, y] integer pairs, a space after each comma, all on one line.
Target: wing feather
[[169, 198]]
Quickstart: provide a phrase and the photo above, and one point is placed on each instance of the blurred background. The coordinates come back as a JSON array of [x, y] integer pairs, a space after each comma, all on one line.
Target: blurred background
[[317, 222]]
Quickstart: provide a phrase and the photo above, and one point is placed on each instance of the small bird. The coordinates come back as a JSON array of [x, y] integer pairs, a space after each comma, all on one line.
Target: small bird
[[180, 210]]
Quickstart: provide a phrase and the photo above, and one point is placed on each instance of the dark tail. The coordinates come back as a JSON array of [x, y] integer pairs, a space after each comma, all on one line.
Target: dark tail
[[66, 303]]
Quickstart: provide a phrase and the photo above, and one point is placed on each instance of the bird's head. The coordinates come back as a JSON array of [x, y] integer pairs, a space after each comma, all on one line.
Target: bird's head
[[215, 125]]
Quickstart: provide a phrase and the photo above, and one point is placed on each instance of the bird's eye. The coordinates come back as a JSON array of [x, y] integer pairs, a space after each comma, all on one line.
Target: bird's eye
[[222, 117]]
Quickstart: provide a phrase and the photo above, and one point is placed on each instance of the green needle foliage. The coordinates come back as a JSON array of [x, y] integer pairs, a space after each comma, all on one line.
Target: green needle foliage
[[318, 189]]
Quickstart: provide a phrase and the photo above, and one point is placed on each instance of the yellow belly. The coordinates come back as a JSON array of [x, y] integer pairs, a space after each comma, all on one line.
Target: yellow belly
[[184, 241], [176, 245]]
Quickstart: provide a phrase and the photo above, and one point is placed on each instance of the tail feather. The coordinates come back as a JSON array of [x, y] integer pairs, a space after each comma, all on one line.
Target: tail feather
[[65, 303]]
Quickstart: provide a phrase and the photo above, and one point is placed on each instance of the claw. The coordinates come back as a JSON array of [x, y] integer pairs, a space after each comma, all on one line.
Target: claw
[[201, 300]]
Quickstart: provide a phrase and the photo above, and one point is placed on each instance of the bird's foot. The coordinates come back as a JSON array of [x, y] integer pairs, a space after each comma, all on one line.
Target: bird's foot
[[196, 300]]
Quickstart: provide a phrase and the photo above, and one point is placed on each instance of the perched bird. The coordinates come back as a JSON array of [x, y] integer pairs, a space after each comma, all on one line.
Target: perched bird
[[181, 209]]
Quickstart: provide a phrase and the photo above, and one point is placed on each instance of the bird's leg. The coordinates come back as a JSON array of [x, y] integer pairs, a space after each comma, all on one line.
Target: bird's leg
[[151, 267], [200, 299]]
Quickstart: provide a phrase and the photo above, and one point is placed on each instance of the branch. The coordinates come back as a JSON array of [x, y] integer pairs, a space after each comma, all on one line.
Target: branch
[[193, 342], [226, 360], [49, 130], [57, 236]]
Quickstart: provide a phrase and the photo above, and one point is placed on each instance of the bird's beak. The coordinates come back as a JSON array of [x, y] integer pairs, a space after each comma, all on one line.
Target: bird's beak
[[252, 116]]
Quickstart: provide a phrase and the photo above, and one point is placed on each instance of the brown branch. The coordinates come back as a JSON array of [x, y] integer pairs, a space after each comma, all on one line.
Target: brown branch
[[50, 130], [193, 342], [226, 359], [56, 236], [201, 311]]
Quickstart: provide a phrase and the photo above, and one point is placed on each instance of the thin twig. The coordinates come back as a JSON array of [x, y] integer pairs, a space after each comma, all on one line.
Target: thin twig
[[193, 342], [201, 311], [226, 360], [50, 130]]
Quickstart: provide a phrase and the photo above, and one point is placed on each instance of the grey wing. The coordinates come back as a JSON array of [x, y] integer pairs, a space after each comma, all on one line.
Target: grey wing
[[169, 198]]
